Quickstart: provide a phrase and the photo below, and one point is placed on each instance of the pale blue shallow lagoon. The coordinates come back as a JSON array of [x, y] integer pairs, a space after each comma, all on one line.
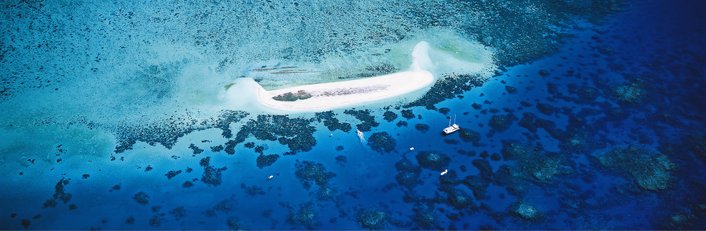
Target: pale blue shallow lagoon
[[574, 114]]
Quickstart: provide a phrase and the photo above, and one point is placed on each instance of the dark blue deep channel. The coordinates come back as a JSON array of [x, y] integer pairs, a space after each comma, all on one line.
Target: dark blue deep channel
[[594, 119]]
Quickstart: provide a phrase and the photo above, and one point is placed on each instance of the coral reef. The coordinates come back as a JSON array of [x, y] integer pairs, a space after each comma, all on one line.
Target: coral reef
[[331, 122], [389, 116], [501, 122], [534, 164], [371, 220], [59, 194], [433, 160], [196, 149], [542, 168], [296, 133], [408, 114], [167, 132], [211, 175], [382, 142], [424, 217], [304, 216], [630, 93], [171, 174], [310, 172], [447, 87], [422, 127], [407, 173], [526, 211], [650, 169], [459, 199], [365, 117], [470, 136], [266, 160], [141, 198]]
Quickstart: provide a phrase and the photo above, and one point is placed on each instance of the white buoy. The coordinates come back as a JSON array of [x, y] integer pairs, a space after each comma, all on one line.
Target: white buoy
[[444, 172], [270, 177], [411, 148]]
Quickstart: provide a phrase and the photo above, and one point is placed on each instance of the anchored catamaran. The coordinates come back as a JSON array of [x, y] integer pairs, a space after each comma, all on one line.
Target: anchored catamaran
[[451, 128]]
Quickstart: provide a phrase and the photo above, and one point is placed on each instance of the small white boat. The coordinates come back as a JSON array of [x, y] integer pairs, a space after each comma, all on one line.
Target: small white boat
[[444, 172], [361, 135], [452, 128]]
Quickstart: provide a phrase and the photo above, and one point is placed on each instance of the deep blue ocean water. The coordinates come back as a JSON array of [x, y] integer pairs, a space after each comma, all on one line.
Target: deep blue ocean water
[[628, 86]]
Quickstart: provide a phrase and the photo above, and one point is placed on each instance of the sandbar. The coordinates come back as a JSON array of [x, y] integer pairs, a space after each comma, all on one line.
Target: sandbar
[[334, 95]]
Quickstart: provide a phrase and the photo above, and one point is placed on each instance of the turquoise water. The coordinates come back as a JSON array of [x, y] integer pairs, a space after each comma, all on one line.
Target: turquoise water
[[113, 116]]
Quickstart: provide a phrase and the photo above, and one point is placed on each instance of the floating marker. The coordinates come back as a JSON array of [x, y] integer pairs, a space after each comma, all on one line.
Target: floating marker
[[444, 172], [411, 148], [270, 177]]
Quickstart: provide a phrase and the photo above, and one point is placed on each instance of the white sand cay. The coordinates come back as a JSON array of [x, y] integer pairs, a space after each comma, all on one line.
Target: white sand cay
[[327, 96]]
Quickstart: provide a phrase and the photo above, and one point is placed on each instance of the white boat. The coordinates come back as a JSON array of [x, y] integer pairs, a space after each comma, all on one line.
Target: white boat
[[361, 135], [452, 128]]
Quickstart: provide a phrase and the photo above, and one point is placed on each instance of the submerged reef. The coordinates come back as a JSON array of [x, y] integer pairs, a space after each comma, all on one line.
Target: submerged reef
[[171, 174], [422, 127], [649, 169], [141, 198], [382, 142], [471, 136], [389, 116], [310, 172], [535, 164], [459, 199], [425, 218], [365, 117], [447, 87], [59, 194], [501, 123], [525, 211], [211, 175], [408, 114], [167, 132], [303, 216], [407, 173], [331, 122], [266, 160], [296, 133], [543, 167], [433, 160], [371, 219], [630, 93]]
